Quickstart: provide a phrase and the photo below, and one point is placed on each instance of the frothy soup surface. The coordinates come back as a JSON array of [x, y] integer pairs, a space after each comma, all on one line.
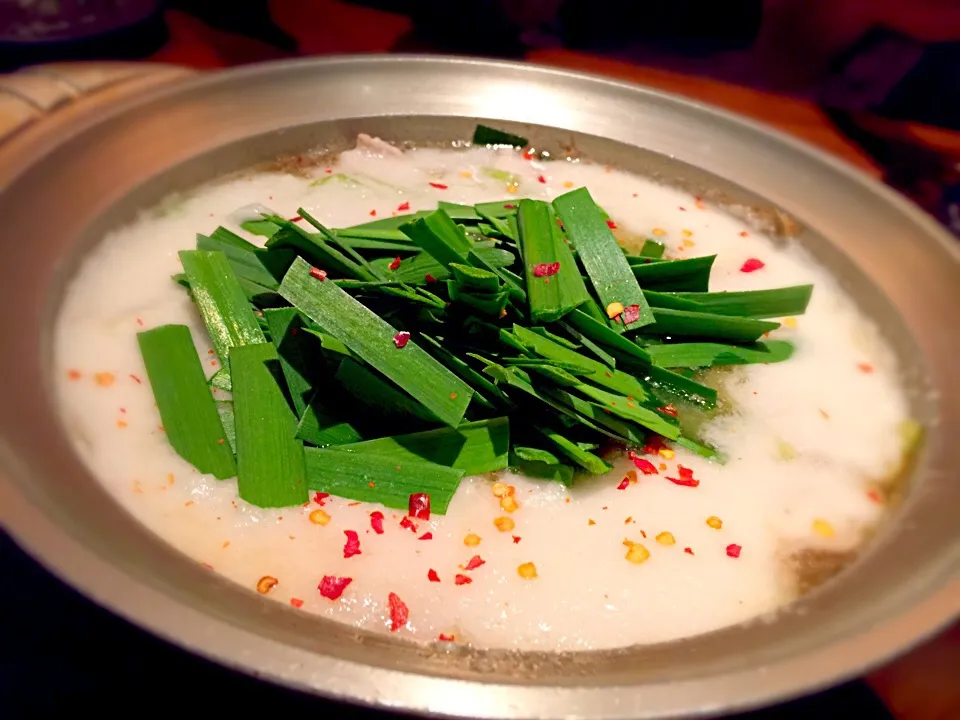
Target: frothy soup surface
[[806, 441]]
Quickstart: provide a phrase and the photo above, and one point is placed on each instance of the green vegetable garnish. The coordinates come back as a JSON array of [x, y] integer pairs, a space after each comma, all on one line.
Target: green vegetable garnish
[[270, 471], [484, 135], [187, 409], [697, 355]]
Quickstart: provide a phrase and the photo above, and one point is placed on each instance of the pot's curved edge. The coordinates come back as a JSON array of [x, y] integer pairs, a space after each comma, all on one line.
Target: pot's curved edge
[[219, 641]]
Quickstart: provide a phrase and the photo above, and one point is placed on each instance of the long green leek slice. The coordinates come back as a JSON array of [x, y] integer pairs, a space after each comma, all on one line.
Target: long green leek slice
[[681, 323], [690, 274], [696, 355], [370, 337], [187, 409], [380, 478], [602, 258], [484, 135], [779, 302], [270, 470]]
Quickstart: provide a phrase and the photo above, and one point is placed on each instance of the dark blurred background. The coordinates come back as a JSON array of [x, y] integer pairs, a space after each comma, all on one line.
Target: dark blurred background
[[884, 74]]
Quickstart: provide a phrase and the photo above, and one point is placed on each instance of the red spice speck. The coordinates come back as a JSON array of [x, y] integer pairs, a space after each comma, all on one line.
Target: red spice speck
[[508, 206], [527, 155], [329, 171], [373, 213], [688, 551], [442, 637], [74, 374], [541, 179], [426, 536], [668, 410], [475, 562], [319, 497], [865, 368], [432, 575], [332, 587], [462, 580], [624, 484], [137, 380], [296, 218], [744, 233], [406, 523], [643, 465], [681, 208], [296, 602], [874, 496], [654, 445], [140, 321], [751, 265], [516, 539], [395, 263], [546, 269], [631, 313], [438, 186], [319, 274], [428, 278], [352, 546], [611, 224], [686, 478], [733, 550], [418, 506], [401, 339], [376, 522], [403, 207], [399, 612]]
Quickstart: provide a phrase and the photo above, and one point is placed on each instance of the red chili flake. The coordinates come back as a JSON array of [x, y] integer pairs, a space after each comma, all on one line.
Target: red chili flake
[[611, 224], [296, 218], [395, 263], [403, 207], [752, 264], [352, 546], [405, 523], [428, 278], [319, 497], [319, 274], [875, 496], [399, 612], [373, 213], [631, 313], [686, 478], [624, 484], [668, 410], [546, 269], [688, 551], [644, 466], [401, 339], [376, 522], [296, 602], [541, 179], [418, 506], [137, 380], [744, 233], [508, 206], [653, 445], [140, 321], [74, 374], [426, 536], [328, 171], [432, 575], [733, 550], [475, 562], [527, 155], [462, 580], [681, 208], [445, 638], [865, 368], [438, 186], [332, 587], [560, 223], [517, 538]]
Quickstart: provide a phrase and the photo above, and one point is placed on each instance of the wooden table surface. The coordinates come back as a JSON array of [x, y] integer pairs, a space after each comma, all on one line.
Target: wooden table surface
[[924, 685]]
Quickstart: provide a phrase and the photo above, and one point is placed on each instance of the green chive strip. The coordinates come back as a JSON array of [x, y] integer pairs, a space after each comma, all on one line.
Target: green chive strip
[[779, 302], [484, 135], [697, 355], [688, 275], [681, 323], [351, 474], [270, 470], [602, 258], [371, 338], [320, 426], [187, 409], [551, 296], [220, 299]]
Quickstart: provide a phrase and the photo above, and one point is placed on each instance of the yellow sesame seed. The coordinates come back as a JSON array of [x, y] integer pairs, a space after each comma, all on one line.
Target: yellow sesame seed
[[614, 309], [659, 232], [502, 489], [790, 322], [266, 584], [319, 517], [466, 174], [504, 524], [509, 504], [512, 189], [528, 571], [823, 528], [666, 453], [687, 233], [471, 540], [568, 184], [637, 553], [666, 538], [688, 243], [714, 522]]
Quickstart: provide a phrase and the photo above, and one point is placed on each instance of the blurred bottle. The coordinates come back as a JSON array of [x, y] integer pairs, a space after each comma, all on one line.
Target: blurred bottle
[[34, 31]]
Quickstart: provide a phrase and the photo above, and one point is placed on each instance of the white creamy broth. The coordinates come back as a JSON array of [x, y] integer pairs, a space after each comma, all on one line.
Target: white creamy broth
[[806, 440]]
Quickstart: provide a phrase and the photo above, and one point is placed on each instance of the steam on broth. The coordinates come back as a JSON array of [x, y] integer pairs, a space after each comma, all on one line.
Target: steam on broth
[[667, 544]]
